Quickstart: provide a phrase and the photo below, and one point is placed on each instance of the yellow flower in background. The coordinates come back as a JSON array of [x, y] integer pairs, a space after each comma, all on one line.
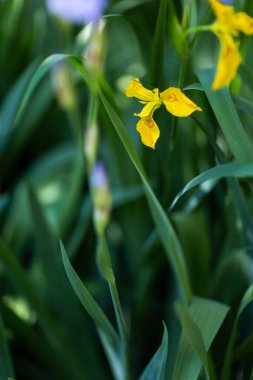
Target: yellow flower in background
[[228, 24], [174, 100]]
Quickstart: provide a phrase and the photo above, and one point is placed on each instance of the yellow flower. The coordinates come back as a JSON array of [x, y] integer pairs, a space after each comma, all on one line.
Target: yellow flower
[[227, 26], [174, 100]]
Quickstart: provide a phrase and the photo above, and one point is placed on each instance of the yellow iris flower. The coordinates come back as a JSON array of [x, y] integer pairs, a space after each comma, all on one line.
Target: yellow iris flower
[[174, 100], [227, 26]]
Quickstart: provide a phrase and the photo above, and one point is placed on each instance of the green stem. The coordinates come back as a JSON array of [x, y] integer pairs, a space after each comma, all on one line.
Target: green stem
[[200, 28], [93, 131], [174, 123], [118, 312], [173, 134], [203, 26], [73, 196], [74, 120], [182, 73], [186, 15]]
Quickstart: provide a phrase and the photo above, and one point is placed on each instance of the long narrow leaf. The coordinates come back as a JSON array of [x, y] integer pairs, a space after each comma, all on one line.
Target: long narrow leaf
[[156, 368], [39, 74], [12, 100], [177, 35], [158, 46], [192, 334], [88, 302], [229, 120], [243, 104], [6, 366], [23, 284], [208, 316], [246, 300], [125, 5], [214, 174], [167, 234]]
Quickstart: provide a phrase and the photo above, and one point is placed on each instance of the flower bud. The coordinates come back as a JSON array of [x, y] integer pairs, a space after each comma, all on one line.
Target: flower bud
[[63, 86], [94, 51], [101, 197], [90, 144]]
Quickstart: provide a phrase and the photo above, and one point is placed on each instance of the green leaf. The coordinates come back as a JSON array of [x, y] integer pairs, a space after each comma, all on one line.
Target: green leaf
[[243, 104], [229, 121], [6, 366], [11, 102], [167, 234], [125, 5], [61, 294], [90, 305], [227, 367], [176, 33], [103, 261], [39, 74], [247, 298], [156, 368], [23, 285], [214, 174], [208, 316], [158, 46], [193, 334], [106, 332], [37, 343]]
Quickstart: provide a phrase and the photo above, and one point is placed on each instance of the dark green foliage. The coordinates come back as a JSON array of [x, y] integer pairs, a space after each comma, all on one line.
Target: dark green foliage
[[177, 248]]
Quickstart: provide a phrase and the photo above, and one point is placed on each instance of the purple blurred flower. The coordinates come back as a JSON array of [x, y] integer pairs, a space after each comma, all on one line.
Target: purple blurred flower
[[101, 196], [227, 2], [99, 177], [77, 11]]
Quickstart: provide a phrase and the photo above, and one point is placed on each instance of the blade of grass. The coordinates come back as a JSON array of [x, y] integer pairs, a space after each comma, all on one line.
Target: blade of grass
[[41, 71], [22, 283], [227, 367], [125, 5], [214, 174], [229, 121], [158, 46], [30, 337], [208, 316], [193, 335], [6, 366], [156, 368], [11, 103], [109, 338], [243, 104], [61, 293], [88, 302], [105, 267], [237, 194], [167, 234], [176, 33]]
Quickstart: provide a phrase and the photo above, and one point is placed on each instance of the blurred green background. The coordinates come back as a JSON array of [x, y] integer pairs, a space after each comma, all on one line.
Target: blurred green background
[[45, 194]]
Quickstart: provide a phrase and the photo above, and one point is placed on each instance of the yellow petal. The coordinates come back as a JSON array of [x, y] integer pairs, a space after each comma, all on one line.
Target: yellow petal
[[136, 89], [177, 103], [243, 22], [228, 62], [149, 131], [149, 109], [221, 11]]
